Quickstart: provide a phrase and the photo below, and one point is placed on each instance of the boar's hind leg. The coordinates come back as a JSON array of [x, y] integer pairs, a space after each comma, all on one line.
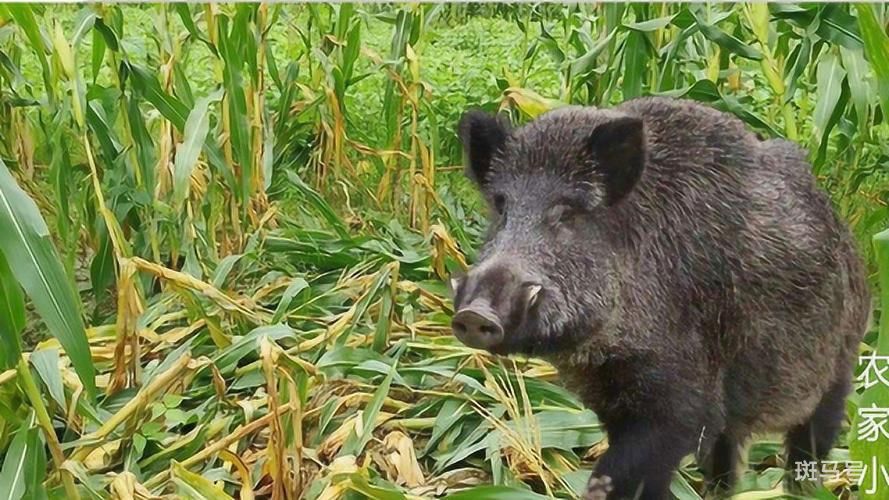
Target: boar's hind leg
[[813, 439]]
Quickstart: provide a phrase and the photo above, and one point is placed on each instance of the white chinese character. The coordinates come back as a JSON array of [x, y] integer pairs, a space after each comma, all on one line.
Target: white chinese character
[[855, 472], [883, 472], [830, 470], [873, 423], [873, 482], [805, 471], [873, 373]]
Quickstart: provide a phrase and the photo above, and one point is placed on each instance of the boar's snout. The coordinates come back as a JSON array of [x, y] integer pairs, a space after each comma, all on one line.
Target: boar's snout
[[491, 303], [478, 326]]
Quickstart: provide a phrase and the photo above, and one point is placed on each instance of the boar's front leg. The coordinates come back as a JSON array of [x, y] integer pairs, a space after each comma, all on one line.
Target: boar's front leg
[[653, 419], [640, 461]]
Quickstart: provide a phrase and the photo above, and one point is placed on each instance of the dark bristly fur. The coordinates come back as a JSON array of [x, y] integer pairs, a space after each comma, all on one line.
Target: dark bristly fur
[[689, 280]]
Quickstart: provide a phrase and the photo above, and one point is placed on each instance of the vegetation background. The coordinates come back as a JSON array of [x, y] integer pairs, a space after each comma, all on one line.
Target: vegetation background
[[224, 231]]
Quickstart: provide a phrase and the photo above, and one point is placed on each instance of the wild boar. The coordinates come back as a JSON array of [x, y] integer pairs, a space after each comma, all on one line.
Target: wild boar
[[689, 281]]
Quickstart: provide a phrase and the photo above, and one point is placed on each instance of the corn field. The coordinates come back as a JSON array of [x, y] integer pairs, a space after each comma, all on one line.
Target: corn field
[[225, 231]]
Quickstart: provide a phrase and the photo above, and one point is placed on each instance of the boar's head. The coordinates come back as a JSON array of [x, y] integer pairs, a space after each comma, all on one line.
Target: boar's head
[[547, 273]]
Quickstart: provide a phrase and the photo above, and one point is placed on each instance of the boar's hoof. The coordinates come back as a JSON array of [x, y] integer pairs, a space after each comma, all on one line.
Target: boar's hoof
[[598, 488]]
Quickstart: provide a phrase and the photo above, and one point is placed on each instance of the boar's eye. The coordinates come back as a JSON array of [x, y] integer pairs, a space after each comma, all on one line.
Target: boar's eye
[[564, 215], [499, 202]]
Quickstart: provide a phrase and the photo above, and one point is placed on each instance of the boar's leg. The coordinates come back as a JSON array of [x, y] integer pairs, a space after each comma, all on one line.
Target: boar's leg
[[812, 440], [657, 408], [720, 466], [642, 455]]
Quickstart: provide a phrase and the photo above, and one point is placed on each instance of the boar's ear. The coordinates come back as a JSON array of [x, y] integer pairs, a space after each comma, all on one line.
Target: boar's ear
[[618, 147], [482, 135]]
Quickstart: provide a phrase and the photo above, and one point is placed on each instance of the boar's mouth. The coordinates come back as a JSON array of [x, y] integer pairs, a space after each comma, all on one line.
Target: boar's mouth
[[505, 308], [489, 309], [529, 327], [546, 334]]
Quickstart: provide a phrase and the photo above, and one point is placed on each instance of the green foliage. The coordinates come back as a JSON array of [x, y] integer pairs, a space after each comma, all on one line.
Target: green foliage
[[33, 261], [863, 448], [24, 465]]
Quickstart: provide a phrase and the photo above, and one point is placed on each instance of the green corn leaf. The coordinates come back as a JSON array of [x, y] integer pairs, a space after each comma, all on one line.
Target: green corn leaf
[[273, 67], [838, 111], [268, 151], [838, 26], [355, 443], [184, 11], [352, 49], [496, 493], [359, 483], [830, 80], [585, 63], [23, 15], [320, 204], [725, 40], [35, 264], [85, 22], [297, 286], [228, 358], [102, 266], [24, 466], [12, 316], [224, 268], [111, 40], [90, 485], [195, 487], [61, 175], [98, 53], [577, 481], [796, 65], [148, 86], [561, 429], [706, 91], [174, 110], [181, 86], [365, 302], [46, 362], [144, 145], [237, 106], [859, 86], [876, 46], [681, 490], [13, 73], [196, 128], [384, 323], [636, 56], [101, 129], [651, 24], [452, 411]]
